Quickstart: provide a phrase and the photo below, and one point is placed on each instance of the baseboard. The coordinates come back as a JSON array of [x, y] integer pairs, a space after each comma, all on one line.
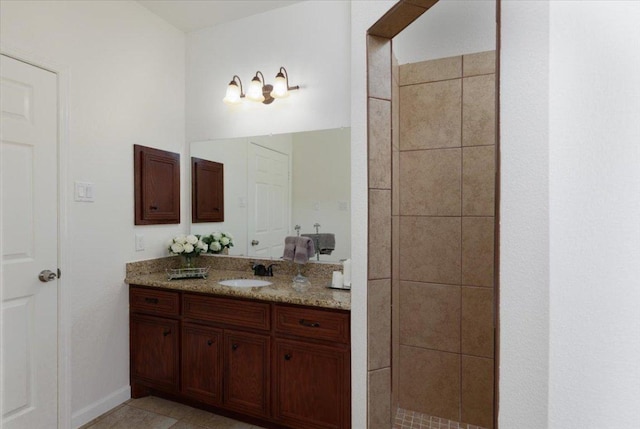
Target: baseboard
[[100, 407]]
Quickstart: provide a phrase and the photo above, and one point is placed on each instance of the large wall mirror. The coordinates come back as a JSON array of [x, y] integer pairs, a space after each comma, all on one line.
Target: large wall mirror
[[274, 183]]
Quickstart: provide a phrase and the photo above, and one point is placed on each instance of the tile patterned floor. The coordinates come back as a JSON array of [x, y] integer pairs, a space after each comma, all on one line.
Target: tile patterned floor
[[156, 413], [406, 419]]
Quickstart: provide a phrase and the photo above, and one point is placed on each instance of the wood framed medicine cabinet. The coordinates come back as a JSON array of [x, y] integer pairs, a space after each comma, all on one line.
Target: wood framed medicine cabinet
[[207, 191], [156, 186]]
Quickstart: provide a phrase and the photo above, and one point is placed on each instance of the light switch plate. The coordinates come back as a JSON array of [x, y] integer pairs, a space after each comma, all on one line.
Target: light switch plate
[[139, 242], [84, 192]]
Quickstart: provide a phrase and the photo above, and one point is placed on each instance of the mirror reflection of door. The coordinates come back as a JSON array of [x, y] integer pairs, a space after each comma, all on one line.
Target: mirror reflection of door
[[268, 192]]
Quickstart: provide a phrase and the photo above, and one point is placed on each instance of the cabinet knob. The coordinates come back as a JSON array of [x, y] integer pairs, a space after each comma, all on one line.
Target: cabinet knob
[[234, 346], [287, 357], [167, 332], [209, 342]]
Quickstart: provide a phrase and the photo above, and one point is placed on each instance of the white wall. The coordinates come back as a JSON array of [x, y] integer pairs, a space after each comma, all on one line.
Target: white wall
[[449, 28], [321, 183], [524, 217], [594, 187], [125, 73], [570, 243], [307, 38]]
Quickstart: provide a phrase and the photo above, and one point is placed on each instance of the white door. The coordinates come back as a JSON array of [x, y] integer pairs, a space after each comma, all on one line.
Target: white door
[[268, 180], [28, 136]]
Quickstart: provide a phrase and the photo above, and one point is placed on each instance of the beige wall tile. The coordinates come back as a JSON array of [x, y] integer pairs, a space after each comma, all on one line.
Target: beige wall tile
[[379, 324], [395, 115], [395, 247], [379, 234], [431, 71], [430, 115], [430, 249], [395, 341], [395, 68], [430, 316], [430, 182], [379, 67], [379, 399], [478, 181], [479, 63], [430, 382], [395, 182], [479, 110], [477, 321], [477, 391], [477, 251], [379, 144]]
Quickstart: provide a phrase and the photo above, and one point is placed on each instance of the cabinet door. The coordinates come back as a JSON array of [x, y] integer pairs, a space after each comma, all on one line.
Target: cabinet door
[[154, 351], [246, 387], [312, 386], [202, 363]]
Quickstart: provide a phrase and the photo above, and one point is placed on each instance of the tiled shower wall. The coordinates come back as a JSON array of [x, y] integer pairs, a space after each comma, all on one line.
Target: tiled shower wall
[[443, 229], [379, 250]]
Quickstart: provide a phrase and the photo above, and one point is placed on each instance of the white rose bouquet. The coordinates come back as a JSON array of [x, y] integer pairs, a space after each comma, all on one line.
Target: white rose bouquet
[[218, 241], [187, 246]]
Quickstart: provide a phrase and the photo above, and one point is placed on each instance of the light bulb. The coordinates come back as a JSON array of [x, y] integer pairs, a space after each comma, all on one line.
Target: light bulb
[[280, 89], [233, 93], [254, 93]]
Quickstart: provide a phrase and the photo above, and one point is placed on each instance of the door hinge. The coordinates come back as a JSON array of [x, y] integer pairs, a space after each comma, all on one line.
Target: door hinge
[[59, 273]]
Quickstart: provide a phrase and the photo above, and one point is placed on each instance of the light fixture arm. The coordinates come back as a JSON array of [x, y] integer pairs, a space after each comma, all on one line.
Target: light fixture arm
[[261, 77], [235, 76], [286, 76]]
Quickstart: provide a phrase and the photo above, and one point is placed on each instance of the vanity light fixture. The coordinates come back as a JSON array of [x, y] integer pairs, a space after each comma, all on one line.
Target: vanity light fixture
[[234, 93], [259, 91]]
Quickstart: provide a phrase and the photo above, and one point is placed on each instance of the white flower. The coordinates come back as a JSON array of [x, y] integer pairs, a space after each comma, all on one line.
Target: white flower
[[188, 248], [229, 236], [224, 241], [180, 239], [215, 246], [217, 235], [177, 248], [202, 246], [192, 239]]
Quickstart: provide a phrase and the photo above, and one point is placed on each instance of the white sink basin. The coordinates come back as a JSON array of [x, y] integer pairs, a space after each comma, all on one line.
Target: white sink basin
[[244, 283]]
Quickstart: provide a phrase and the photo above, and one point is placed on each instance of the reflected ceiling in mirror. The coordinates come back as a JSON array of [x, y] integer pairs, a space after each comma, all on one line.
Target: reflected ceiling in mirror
[[273, 183]]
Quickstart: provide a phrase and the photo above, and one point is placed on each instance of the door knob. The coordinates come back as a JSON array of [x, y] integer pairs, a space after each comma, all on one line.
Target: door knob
[[254, 242], [47, 276]]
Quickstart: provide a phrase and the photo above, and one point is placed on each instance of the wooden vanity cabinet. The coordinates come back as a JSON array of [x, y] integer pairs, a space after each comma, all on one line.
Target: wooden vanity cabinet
[[312, 368], [284, 365], [154, 339]]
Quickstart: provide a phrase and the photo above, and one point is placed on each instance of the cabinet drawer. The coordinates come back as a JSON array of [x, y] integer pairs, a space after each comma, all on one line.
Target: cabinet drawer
[[154, 301], [246, 314], [312, 323]]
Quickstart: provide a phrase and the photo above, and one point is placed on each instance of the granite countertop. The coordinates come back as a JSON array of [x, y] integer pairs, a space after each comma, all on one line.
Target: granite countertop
[[315, 293]]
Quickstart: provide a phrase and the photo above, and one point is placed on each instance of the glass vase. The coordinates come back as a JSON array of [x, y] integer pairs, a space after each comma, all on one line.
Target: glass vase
[[187, 261]]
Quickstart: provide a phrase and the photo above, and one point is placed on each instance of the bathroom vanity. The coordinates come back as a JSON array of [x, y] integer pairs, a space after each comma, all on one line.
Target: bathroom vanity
[[273, 356]]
